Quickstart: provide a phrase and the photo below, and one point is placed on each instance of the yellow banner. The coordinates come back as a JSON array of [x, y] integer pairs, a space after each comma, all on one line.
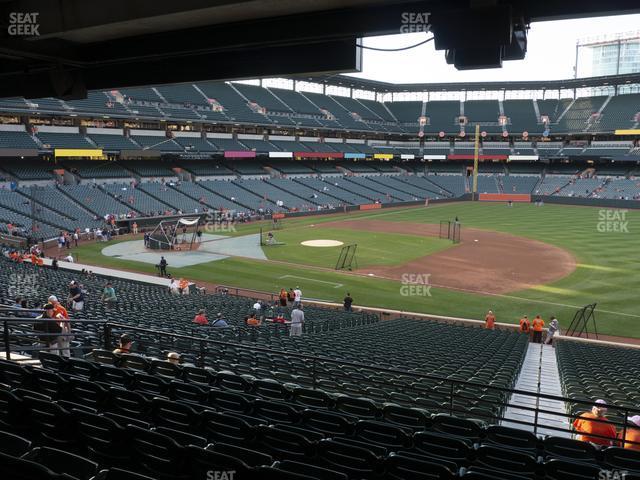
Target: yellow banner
[[630, 131], [383, 156], [78, 152]]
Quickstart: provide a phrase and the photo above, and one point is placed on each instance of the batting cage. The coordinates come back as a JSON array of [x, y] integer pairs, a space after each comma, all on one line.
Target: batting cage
[[450, 230], [175, 234]]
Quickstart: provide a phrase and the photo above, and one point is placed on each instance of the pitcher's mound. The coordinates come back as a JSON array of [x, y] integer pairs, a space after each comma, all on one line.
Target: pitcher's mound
[[321, 243]]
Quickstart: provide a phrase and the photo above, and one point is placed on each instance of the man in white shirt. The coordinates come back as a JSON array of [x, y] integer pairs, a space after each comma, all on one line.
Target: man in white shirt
[[68, 258], [297, 320], [297, 297], [173, 287]]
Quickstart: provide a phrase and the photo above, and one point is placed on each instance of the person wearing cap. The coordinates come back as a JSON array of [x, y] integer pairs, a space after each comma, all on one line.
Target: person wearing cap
[[593, 426], [297, 296], [525, 325], [554, 329], [64, 341], [126, 342], [174, 358], [201, 318], [75, 296], [490, 321], [58, 307], [631, 438], [219, 321]]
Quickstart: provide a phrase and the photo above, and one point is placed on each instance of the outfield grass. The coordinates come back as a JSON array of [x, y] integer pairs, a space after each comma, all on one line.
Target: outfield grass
[[608, 269]]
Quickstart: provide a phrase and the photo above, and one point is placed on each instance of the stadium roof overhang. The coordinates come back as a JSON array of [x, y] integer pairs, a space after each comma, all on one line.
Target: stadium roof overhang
[[63, 48], [385, 87]]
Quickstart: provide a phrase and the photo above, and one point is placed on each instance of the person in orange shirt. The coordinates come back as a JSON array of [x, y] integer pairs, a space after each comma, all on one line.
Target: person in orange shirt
[[183, 285], [631, 435], [283, 297], [58, 308], [597, 432], [538, 325], [525, 325], [253, 321], [490, 321]]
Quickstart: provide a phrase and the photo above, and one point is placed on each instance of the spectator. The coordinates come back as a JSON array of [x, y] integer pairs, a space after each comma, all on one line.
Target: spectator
[[525, 325], [297, 320], [174, 358], [632, 434], [554, 329], [69, 258], [347, 302], [173, 287], [490, 321], [76, 237], [134, 228], [58, 307], [538, 325], [252, 320], [290, 295], [591, 426], [49, 328], [125, 344], [200, 318], [297, 296], [109, 295], [183, 286], [257, 307], [219, 322], [163, 266], [76, 297], [54, 264]]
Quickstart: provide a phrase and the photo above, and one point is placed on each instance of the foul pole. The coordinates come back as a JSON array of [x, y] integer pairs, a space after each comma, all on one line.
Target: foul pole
[[474, 193]]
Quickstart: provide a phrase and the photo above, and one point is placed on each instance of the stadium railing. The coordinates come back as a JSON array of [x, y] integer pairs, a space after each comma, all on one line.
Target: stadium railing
[[454, 390]]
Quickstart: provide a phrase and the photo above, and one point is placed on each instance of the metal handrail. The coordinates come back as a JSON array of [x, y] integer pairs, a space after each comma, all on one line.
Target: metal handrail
[[455, 392]]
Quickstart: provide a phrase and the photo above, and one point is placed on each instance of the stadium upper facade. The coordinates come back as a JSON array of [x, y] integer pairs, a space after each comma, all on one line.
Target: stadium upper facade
[[361, 109]]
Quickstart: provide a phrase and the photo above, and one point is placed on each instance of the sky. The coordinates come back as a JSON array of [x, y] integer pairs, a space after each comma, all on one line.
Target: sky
[[550, 56]]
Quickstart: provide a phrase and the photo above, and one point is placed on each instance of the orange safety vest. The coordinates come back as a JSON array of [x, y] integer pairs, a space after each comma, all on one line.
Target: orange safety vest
[[525, 325], [490, 321], [538, 323]]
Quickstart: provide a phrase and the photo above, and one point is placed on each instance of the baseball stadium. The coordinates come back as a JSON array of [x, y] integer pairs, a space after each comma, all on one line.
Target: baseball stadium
[[245, 256]]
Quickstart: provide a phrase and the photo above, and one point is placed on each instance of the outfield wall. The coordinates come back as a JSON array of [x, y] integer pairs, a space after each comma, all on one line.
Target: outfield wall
[[588, 202]]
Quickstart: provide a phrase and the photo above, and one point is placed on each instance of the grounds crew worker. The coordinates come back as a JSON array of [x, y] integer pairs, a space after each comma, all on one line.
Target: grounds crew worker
[[525, 325], [538, 324], [490, 321]]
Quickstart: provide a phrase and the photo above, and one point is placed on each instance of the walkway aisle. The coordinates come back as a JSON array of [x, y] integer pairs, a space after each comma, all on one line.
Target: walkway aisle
[[545, 368]]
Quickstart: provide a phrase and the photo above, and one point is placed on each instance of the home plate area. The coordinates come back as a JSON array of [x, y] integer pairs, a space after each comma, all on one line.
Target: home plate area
[[212, 248]]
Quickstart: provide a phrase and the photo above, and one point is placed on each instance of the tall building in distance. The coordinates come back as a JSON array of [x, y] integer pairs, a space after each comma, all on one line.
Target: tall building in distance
[[611, 54]]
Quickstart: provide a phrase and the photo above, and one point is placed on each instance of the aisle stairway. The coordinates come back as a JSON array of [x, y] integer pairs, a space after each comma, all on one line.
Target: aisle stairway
[[539, 374]]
